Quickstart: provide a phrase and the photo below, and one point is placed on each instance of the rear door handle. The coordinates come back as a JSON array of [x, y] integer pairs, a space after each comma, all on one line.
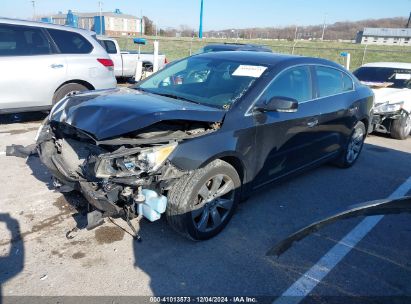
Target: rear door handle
[[312, 123], [56, 66]]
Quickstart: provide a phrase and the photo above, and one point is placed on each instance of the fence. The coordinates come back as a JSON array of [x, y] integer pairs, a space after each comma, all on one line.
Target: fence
[[175, 48]]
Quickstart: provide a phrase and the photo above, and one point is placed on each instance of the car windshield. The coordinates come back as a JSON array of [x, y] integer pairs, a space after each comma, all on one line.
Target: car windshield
[[384, 77], [207, 81]]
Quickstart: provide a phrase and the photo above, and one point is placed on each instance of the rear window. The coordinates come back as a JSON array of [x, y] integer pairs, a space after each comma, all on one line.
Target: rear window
[[109, 46], [70, 42], [23, 41]]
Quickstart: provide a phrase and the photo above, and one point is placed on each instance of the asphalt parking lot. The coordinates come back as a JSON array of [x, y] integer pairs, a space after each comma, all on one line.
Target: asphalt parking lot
[[39, 257]]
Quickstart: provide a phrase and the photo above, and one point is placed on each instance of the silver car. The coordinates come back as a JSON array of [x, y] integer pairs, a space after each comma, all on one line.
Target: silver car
[[42, 63]]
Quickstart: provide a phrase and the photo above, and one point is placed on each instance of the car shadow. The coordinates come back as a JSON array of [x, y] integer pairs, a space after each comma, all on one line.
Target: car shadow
[[235, 261], [39, 171], [74, 199], [12, 263], [22, 117]]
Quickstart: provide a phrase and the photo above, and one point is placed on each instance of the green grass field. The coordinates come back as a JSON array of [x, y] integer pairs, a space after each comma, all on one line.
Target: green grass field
[[176, 48]]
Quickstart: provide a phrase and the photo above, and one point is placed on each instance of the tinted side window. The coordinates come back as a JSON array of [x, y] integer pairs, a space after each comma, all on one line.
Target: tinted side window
[[293, 83], [70, 42], [347, 83], [23, 41], [110, 47], [332, 81]]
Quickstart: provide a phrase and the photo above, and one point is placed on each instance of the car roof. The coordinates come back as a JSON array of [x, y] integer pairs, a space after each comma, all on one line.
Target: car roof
[[44, 25], [394, 65], [266, 58], [235, 45]]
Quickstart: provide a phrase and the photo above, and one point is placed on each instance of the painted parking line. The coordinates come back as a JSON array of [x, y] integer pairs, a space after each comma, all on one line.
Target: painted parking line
[[306, 283]]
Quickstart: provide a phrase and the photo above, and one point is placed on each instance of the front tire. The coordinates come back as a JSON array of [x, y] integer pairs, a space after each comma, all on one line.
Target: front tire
[[401, 128], [202, 203], [353, 148]]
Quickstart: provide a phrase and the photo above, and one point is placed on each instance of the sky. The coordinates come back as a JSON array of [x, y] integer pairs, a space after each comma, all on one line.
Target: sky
[[223, 14]]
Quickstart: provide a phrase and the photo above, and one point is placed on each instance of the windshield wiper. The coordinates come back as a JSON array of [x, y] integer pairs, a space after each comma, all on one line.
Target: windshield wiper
[[170, 95], [174, 96]]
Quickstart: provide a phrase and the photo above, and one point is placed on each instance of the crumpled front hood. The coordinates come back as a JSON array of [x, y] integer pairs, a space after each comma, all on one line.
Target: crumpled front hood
[[111, 113], [391, 95]]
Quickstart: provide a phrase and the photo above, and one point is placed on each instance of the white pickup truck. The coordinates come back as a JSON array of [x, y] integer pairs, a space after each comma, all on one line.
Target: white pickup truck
[[391, 83], [125, 62]]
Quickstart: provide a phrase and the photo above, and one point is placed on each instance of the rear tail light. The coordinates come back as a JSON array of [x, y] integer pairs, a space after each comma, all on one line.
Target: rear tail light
[[108, 63], [165, 60]]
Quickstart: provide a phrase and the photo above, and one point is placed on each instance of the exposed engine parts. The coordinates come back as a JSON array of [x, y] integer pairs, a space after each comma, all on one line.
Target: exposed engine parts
[[123, 177]]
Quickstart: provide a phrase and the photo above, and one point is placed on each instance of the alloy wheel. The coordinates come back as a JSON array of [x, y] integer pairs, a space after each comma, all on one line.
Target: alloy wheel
[[215, 199], [355, 145]]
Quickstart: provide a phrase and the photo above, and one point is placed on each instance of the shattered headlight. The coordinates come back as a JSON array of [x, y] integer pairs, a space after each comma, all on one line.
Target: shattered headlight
[[147, 161], [388, 108]]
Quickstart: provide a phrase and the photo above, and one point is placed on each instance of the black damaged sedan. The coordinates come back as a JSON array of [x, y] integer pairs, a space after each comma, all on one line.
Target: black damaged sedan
[[195, 138]]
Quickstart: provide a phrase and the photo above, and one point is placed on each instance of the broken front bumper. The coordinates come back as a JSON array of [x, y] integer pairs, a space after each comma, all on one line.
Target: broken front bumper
[[382, 121], [112, 196], [96, 197]]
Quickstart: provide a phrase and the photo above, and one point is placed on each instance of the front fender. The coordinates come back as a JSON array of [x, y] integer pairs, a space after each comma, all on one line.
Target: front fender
[[198, 152]]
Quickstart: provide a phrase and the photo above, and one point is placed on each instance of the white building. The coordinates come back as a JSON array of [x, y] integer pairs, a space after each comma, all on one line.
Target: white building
[[114, 23], [386, 36]]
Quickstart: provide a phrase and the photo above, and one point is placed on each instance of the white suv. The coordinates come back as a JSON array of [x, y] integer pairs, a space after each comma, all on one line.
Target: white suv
[[41, 63]]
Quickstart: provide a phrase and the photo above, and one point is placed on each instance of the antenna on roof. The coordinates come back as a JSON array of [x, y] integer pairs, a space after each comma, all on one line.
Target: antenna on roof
[[409, 22]]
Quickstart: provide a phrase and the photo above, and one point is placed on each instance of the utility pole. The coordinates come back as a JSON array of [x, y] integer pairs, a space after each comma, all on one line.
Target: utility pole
[[100, 4], [141, 22], [33, 2], [296, 32], [324, 26], [200, 30]]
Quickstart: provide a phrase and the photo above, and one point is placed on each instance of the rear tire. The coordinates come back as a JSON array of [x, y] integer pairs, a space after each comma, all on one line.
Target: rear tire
[[401, 128], [202, 203], [66, 90], [353, 148]]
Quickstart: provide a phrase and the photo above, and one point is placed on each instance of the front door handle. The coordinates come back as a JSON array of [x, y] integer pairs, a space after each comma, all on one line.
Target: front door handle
[[312, 123], [56, 66]]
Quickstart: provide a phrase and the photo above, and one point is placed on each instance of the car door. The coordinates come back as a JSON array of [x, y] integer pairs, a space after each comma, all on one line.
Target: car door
[[335, 96], [30, 70], [287, 141]]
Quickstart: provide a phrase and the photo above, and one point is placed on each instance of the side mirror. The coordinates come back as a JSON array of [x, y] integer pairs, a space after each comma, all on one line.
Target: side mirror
[[278, 104]]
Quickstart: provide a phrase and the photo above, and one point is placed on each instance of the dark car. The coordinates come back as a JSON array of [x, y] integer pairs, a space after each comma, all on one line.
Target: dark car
[[225, 47], [203, 133]]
